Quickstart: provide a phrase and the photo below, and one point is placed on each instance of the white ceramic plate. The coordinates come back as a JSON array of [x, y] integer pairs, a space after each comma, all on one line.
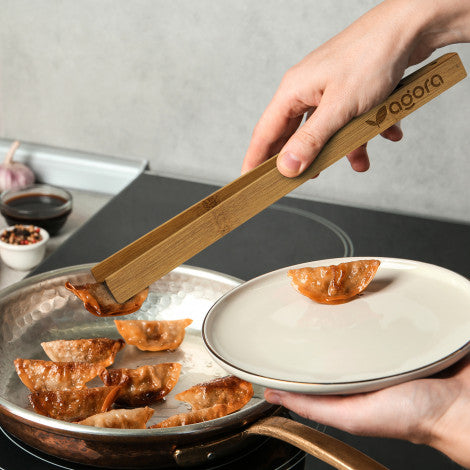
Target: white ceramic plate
[[413, 320]]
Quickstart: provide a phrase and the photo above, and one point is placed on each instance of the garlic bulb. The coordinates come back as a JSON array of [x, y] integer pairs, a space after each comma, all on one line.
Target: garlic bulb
[[14, 175]]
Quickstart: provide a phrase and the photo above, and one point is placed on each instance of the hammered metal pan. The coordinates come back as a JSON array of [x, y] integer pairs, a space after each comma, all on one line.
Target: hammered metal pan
[[40, 309]]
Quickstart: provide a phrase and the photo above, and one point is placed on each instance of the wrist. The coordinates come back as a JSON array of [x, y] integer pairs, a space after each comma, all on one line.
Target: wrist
[[422, 26], [412, 26], [444, 22], [449, 432], [453, 441]]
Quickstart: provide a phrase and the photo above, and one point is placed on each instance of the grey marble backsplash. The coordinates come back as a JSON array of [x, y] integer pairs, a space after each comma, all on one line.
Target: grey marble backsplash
[[182, 83]]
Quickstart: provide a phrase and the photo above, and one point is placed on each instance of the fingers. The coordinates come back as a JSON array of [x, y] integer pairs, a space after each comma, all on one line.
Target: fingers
[[278, 122], [398, 411], [369, 414], [305, 144], [359, 159], [262, 147], [276, 132], [393, 133], [330, 410]]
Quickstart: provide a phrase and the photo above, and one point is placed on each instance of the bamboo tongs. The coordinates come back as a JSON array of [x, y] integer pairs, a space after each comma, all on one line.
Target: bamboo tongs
[[153, 255]]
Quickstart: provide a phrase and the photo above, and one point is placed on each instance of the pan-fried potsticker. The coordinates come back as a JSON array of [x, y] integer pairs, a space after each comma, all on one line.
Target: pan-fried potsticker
[[156, 335], [135, 418], [196, 416], [229, 390], [73, 405], [99, 301], [100, 351], [143, 385], [40, 375], [211, 400], [334, 284]]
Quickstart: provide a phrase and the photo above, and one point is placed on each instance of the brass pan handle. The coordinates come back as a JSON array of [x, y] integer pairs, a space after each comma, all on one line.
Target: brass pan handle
[[332, 451]]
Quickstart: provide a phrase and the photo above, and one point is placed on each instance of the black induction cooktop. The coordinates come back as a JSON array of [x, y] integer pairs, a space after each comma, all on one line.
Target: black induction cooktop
[[290, 232]]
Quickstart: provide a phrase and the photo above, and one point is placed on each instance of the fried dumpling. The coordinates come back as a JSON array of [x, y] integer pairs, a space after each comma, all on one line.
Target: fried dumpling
[[156, 335], [143, 385], [193, 417], [211, 400], [95, 350], [40, 375], [230, 391], [334, 284], [122, 419], [99, 301], [73, 405]]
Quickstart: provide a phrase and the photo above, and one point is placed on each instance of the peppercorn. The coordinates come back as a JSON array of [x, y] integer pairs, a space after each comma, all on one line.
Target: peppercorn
[[21, 235]]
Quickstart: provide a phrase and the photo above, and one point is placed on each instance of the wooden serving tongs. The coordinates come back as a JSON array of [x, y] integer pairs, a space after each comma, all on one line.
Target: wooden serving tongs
[[139, 264]]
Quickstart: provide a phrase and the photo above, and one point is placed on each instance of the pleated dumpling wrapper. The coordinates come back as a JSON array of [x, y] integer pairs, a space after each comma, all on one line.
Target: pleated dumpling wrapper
[[100, 351], [99, 301], [193, 417], [211, 400], [153, 335], [229, 390], [143, 385], [40, 375], [135, 418], [334, 284], [73, 405]]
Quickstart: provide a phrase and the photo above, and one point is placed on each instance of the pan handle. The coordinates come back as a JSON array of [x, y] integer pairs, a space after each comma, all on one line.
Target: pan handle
[[332, 451]]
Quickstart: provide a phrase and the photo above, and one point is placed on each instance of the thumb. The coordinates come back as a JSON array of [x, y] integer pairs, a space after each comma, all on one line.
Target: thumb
[[305, 144]]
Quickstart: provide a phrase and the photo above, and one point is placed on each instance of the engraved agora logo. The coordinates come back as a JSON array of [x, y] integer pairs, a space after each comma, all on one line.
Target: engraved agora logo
[[407, 100]]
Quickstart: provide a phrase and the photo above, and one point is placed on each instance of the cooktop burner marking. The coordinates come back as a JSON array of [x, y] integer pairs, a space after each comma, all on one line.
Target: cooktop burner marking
[[340, 233], [293, 461]]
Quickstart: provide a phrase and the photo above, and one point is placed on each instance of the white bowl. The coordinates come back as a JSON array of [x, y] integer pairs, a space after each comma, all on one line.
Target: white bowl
[[24, 257]]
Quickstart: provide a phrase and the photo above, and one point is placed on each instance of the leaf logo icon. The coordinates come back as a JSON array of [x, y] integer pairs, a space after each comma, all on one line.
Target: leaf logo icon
[[379, 117]]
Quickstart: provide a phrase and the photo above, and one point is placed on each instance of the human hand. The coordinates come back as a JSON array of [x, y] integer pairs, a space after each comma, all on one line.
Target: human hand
[[432, 411], [344, 78]]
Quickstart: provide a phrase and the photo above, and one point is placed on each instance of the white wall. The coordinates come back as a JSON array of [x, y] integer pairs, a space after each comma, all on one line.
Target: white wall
[[182, 83]]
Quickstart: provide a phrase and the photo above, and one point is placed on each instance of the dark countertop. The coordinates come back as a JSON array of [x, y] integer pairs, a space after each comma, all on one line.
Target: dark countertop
[[274, 238], [290, 232]]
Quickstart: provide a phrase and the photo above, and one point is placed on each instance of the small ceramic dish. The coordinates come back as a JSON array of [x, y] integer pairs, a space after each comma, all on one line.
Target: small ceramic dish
[[24, 257], [42, 205]]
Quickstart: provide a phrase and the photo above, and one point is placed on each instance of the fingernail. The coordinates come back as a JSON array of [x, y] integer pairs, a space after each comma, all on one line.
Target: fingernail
[[290, 162], [272, 397]]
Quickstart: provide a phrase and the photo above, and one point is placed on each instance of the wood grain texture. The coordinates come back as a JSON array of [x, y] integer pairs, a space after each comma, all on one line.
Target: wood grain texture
[[150, 257]]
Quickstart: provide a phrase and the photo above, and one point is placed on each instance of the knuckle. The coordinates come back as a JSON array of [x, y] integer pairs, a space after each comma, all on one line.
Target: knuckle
[[289, 86], [307, 138], [289, 78]]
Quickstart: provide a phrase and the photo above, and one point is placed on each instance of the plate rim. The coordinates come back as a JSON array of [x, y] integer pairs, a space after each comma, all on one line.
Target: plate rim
[[336, 387]]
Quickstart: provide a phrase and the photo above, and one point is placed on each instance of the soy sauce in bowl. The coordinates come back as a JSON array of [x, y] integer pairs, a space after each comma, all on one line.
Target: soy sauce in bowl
[[39, 204]]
